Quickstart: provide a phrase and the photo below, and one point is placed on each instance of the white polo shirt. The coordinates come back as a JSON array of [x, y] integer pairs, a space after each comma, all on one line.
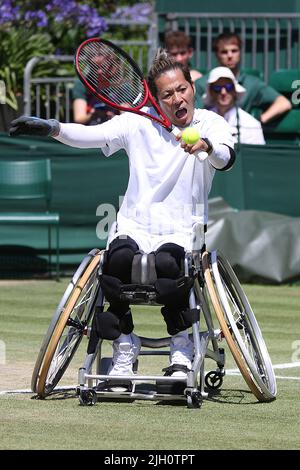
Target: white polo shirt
[[250, 128], [168, 188]]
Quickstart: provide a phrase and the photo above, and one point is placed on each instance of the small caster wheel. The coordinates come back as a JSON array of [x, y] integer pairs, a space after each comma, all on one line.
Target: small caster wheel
[[213, 380], [88, 397], [194, 399]]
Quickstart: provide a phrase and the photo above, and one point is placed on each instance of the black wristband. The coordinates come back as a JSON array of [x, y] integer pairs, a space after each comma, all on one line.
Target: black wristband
[[209, 146]]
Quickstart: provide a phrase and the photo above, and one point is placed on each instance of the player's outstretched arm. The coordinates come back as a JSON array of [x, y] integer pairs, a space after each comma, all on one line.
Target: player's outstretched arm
[[30, 125]]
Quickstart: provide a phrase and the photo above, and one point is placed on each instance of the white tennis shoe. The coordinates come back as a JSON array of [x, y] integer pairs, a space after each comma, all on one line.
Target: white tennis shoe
[[181, 353], [125, 352]]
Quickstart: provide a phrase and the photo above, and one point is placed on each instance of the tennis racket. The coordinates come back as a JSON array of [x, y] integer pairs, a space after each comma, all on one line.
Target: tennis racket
[[112, 76]]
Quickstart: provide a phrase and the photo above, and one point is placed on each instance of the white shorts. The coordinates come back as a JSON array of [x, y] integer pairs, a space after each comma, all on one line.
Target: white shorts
[[149, 242]]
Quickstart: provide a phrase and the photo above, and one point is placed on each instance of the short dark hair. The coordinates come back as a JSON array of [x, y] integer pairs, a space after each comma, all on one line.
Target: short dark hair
[[227, 37], [177, 39], [162, 64]]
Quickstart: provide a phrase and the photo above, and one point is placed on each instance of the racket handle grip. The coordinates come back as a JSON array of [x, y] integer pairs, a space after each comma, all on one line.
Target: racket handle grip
[[200, 155]]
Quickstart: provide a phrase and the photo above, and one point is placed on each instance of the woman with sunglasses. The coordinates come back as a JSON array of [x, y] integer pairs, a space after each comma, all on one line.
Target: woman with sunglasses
[[223, 94]]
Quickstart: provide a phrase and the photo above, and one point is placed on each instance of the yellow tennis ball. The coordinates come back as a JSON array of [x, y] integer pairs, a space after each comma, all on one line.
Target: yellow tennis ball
[[190, 135]]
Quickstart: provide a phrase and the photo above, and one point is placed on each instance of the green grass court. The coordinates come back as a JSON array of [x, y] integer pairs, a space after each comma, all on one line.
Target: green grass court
[[230, 419]]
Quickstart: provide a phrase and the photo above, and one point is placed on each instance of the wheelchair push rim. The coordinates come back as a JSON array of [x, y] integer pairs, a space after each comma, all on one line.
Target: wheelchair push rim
[[72, 317], [239, 326]]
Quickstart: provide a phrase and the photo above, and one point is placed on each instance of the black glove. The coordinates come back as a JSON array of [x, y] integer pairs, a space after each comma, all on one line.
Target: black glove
[[34, 126]]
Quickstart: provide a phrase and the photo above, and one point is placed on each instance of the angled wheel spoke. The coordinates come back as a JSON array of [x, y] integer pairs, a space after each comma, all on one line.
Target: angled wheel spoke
[[239, 326], [67, 326]]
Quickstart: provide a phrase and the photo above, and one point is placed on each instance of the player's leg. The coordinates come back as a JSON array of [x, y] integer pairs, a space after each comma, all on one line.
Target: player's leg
[[116, 322], [177, 315]]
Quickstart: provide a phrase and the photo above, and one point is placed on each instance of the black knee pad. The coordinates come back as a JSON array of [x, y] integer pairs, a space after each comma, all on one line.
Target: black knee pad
[[119, 258], [179, 320], [111, 287], [110, 326], [166, 265], [173, 293]]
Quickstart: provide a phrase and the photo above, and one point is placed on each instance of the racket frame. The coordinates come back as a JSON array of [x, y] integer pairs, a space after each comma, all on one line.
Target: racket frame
[[164, 121]]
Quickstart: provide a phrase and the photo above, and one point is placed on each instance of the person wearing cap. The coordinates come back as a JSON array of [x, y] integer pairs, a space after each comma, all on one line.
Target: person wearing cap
[[223, 94], [227, 48]]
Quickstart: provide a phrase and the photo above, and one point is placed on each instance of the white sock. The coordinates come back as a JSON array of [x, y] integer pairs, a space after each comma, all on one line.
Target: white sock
[[182, 334], [123, 338]]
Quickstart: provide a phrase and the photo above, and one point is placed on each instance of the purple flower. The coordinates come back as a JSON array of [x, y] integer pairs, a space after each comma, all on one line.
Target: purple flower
[[39, 17], [96, 26], [138, 12], [59, 17], [8, 13], [55, 15]]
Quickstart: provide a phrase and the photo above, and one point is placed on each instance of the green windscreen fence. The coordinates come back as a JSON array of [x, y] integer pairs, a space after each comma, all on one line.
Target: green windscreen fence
[[86, 191], [264, 178], [206, 6], [87, 188]]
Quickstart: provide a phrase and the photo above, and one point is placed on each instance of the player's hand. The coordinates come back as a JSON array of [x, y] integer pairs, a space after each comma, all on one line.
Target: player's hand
[[199, 146], [30, 125]]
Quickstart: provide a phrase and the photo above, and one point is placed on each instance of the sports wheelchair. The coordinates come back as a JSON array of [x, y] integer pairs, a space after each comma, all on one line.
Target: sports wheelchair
[[215, 287]]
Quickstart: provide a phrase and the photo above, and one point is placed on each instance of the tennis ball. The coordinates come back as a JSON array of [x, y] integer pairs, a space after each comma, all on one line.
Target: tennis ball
[[190, 135]]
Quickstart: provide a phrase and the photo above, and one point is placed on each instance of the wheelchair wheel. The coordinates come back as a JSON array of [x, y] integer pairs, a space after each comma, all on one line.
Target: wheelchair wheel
[[67, 327], [239, 326]]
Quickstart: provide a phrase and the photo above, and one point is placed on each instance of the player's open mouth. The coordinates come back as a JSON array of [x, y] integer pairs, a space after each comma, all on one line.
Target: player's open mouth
[[181, 113]]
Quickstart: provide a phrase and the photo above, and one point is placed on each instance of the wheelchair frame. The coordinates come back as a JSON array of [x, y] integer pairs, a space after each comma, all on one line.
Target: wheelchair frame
[[215, 286]]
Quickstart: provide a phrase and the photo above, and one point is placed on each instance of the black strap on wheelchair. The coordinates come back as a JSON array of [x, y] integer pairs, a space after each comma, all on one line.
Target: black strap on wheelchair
[[179, 320], [173, 291], [143, 269], [169, 371]]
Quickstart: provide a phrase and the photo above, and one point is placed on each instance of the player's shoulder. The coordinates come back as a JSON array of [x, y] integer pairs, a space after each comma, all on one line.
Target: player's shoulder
[[130, 121], [132, 116]]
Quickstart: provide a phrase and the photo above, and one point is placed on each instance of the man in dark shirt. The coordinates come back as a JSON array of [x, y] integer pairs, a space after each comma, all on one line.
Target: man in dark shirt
[[227, 48]]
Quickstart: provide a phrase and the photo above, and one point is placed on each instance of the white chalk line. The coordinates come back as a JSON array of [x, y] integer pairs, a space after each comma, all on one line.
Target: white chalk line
[[236, 372], [288, 365], [28, 390]]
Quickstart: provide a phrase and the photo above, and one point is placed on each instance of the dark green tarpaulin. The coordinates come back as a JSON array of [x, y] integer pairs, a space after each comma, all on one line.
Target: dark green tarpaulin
[[261, 246]]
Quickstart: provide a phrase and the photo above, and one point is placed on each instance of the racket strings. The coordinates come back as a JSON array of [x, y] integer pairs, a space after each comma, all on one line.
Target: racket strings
[[110, 74]]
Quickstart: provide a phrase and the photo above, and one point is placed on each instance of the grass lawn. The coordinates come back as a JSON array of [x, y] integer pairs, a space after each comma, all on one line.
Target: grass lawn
[[230, 419]]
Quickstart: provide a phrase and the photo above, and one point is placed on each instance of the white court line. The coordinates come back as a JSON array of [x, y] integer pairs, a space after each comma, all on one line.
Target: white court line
[[28, 390], [236, 372], [287, 365], [287, 378]]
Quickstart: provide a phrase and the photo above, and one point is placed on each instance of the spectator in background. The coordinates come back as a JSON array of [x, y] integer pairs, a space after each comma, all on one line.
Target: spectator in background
[[227, 48], [179, 47], [87, 109], [223, 94]]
